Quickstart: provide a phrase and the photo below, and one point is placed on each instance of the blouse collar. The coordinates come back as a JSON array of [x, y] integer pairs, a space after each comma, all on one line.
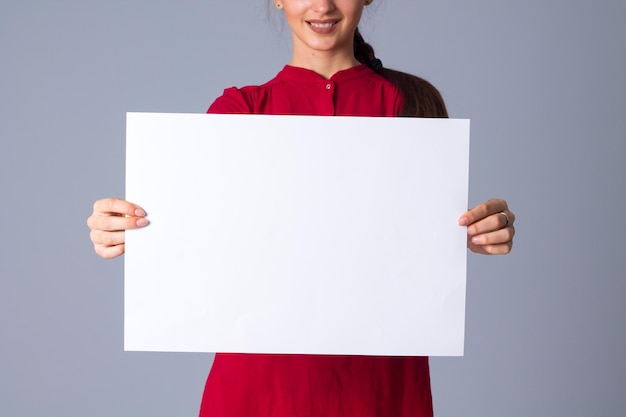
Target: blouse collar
[[300, 74]]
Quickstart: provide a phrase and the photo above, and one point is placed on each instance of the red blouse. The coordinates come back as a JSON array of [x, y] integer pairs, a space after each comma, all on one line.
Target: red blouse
[[261, 385]]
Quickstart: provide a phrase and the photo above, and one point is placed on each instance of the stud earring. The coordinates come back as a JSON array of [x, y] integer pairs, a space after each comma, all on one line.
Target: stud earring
[[278, 5]]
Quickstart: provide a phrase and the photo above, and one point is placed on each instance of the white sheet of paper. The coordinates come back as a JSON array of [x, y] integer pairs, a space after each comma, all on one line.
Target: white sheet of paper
[[296, 234]]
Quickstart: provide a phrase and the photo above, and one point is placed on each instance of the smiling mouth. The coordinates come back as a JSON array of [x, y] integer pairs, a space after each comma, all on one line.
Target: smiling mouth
[[323, 25]]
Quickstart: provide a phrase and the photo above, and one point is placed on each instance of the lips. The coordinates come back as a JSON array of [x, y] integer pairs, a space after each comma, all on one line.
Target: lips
[[322, 26]]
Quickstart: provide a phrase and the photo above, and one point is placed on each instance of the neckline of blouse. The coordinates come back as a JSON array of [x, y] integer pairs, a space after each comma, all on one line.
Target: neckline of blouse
[[301, 74]]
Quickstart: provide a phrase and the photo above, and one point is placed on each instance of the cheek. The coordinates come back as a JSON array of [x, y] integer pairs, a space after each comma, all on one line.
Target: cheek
[[292, 13], [354, 14], [295, 7]]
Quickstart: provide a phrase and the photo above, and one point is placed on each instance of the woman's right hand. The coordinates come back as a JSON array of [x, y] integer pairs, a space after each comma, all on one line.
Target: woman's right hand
[[110, 218]]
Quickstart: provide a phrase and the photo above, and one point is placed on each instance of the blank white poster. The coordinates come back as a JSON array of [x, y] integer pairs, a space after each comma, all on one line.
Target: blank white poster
[[296, 234]]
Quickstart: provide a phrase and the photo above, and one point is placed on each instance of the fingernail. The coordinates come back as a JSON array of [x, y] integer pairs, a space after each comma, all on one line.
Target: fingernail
[[463, 221], [476, 240], [140, 213], [142, 222]]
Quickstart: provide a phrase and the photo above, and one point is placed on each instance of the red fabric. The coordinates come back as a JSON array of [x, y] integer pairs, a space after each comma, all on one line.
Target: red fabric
[[259, 385], [357, 91]]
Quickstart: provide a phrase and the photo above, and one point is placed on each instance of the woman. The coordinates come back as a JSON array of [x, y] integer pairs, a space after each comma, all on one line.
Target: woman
[[332, 72]]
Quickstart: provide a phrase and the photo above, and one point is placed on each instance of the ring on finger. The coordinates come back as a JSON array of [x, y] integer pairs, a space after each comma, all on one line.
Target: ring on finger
[[506, 216]]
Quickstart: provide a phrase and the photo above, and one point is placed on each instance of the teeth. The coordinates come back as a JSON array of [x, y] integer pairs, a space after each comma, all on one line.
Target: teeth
[[322, 25]]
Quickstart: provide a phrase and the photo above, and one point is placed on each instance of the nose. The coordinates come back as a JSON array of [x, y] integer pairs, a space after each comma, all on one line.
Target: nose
[[322, 6]]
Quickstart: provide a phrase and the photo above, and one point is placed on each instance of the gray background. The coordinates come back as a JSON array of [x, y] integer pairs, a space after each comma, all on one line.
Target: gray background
[[542, 81]]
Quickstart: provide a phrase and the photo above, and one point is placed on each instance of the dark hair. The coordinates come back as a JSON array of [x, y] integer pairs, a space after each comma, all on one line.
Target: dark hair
[[421, 98]]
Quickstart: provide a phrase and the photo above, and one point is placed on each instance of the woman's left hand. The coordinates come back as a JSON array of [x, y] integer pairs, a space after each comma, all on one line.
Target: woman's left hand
[[490, 227]]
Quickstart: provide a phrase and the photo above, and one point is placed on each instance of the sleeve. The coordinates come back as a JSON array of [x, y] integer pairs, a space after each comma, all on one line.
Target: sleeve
[[232, 101]]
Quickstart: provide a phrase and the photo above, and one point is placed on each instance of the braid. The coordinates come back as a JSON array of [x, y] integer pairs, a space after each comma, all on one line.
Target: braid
[[421, 98], [363, 51]]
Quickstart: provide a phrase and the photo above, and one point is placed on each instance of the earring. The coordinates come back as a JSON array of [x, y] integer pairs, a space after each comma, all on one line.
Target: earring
[[278, 5]]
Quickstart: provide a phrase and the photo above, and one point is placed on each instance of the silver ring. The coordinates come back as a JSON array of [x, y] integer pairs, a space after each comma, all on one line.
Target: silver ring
[[506, 217]]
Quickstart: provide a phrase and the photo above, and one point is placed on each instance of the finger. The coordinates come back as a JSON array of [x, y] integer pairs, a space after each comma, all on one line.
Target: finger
[[510, 216], [109, 252], [99, 237], [482, 210], [494, 238], [501, 249], [117, 206], [115, 223], [494, 222]]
